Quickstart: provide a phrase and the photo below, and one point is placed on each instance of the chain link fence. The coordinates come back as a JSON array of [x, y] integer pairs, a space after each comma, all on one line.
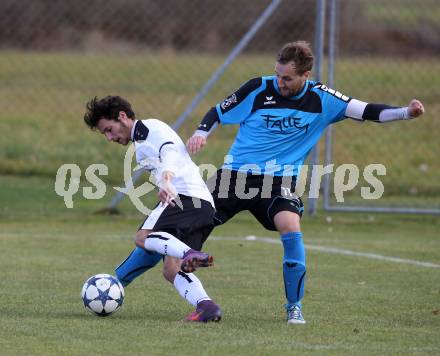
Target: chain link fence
[[56, 55], [388, 52]]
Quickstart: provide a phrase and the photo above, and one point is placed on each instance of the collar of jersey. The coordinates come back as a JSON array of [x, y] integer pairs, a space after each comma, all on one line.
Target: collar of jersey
[[303, 91], [132, 130]]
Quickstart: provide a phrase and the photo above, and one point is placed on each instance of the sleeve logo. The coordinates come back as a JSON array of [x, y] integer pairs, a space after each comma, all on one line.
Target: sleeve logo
[[333, 92], [228, 102]]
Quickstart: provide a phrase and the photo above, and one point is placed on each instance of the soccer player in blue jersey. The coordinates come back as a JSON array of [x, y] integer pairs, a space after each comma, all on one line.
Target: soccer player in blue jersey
[[281, 118]]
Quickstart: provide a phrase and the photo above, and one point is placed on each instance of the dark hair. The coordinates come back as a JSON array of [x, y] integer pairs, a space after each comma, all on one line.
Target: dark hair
[[300, 53], [108, 108]]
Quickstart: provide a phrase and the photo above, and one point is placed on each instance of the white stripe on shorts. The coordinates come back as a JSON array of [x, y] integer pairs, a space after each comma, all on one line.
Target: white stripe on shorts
[[153, 217]]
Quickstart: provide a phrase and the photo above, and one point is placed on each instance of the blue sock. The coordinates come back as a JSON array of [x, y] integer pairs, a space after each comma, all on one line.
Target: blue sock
[[138, 262], [294, 267]]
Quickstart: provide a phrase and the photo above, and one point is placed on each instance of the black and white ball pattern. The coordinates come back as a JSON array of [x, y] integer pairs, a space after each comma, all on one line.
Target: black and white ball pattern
[[102, 294]]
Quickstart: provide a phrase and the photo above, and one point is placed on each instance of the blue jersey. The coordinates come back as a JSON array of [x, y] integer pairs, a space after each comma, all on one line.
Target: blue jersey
[[277, 133]]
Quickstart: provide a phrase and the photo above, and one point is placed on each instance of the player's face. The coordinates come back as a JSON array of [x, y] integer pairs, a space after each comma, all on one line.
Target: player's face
[[289, 82], [116, 131]]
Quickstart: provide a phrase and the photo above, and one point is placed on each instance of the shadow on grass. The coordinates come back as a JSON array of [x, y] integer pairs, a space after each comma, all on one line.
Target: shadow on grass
[[146, 316]]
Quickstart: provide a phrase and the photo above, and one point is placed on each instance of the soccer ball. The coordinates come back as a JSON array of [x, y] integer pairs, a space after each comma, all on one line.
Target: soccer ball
[[102, 294]]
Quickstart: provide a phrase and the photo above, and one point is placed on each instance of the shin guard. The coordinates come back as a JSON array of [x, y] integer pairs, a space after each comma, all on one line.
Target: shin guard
[[294, 267]]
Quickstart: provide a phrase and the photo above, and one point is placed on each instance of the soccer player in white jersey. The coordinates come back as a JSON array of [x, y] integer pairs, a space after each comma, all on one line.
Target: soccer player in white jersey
[[179, 225]]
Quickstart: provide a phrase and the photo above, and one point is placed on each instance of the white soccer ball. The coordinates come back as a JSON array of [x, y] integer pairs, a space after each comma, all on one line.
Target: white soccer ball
[[102, 294]]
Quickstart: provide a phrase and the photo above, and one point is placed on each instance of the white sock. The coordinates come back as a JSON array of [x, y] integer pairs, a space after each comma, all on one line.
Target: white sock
[[190, 288], [165, 244]]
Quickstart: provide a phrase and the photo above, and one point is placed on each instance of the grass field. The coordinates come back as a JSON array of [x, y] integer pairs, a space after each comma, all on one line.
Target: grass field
[[353, 304], [45, 94], [361, 298]]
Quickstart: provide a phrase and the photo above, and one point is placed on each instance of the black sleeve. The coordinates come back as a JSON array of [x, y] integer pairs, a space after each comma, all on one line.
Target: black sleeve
[[212, 117], [209, 120], [372, 111], [239, 95]]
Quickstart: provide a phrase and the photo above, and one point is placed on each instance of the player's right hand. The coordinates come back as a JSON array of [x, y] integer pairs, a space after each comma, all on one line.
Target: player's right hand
[[195, 144], [415, 108]]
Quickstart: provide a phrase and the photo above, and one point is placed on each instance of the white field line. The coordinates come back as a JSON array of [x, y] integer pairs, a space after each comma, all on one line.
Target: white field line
[[335, 251], [268, 240]]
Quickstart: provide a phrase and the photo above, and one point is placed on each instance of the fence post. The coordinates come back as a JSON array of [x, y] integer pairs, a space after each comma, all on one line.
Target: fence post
[[319, 54], [331, 82]]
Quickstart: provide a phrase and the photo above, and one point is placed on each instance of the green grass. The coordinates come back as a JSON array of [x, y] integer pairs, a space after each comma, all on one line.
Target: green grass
[[402, 13], [44, 94], [353, 305]]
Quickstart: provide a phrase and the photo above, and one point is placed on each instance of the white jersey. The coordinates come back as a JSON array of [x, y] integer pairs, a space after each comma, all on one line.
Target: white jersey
[[159, 148]]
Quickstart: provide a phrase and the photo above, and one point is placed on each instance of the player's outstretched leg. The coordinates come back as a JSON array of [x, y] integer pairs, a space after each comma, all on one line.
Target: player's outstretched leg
[[193, 259], [161, 242], [168, 245], [294, 272], [138, 262]]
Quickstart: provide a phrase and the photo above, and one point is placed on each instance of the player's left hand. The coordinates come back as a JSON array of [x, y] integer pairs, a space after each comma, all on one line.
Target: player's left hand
[[167, 193], [415, 108]]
